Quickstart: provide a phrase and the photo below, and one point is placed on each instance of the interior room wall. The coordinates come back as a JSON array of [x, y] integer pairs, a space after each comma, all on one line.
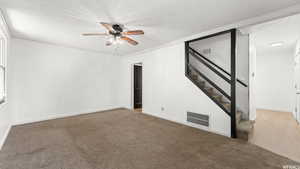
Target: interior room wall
[[274, 79], [167, 93], [296, 104], [51, 81]]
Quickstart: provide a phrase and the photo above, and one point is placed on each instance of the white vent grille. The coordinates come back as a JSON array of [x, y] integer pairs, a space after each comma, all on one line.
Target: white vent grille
[[196, 118]]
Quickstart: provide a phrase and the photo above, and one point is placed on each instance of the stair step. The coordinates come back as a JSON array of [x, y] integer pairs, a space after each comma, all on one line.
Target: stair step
[[238, 116], [218, 97], [209, 89], [244, 129], [202, 83], [194, 77], [227, 105], [245, 126]]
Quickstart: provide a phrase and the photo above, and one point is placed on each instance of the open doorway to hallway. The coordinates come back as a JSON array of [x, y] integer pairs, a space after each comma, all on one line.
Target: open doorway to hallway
[[274, 86], [138, 87]]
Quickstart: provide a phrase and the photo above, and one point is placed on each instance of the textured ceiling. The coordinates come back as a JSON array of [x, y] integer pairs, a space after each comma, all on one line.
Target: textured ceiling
[[62, 21]]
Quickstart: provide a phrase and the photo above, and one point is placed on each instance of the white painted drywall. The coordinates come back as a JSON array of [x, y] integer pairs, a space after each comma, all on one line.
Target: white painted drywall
[[165, 86], [242, 68], [296, 105], [252, 80], [50, 81], [274, 79], [5, 113]]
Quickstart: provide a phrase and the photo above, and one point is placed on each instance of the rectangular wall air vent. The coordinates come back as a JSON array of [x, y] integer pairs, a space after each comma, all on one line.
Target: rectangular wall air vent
[[196, 118]]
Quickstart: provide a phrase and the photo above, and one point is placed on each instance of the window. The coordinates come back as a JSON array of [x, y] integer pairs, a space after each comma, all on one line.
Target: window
[[3, 52], [4, 41]]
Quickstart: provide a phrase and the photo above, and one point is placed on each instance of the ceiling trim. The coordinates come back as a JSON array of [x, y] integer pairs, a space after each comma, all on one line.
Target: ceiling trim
[[4, 26], [63, 45]]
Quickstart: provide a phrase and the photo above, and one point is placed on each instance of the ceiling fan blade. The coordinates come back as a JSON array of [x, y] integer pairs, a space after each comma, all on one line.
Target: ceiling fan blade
[[94, 34], [135, 32], [129, 40], [107, 26]]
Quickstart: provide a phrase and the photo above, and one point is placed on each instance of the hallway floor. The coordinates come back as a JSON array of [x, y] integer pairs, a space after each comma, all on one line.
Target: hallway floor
[[123, 139], [277, 132]]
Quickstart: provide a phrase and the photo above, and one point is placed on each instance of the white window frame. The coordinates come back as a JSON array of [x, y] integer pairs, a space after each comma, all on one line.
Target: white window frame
[[3, 67], [4, 38]]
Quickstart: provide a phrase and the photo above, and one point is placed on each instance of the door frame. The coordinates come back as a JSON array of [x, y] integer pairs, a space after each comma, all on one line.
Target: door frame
[[296, 111], [252, 81], [132, 82]]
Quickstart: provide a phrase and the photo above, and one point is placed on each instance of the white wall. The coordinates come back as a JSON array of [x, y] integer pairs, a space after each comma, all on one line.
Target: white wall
[[274, 79], [165, 85], [296, 111], [242, 68], [50, 81], [252, 80], [5, 113]]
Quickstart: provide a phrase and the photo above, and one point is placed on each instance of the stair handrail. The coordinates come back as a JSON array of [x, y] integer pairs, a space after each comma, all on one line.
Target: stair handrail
[[211, 67], [217, 66]]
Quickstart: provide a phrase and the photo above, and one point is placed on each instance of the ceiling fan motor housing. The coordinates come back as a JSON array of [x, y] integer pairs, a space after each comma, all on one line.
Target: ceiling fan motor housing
[[117, 28]]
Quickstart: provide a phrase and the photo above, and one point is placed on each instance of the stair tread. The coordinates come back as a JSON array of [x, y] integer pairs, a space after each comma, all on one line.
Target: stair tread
[[238, 112], [225, 103], [208, 88], [202, 83], [216, 95], [245, 126]]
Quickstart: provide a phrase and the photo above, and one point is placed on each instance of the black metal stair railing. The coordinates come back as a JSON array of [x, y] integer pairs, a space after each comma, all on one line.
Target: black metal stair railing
[[202, 59], [209, 81], [206, 92], [230, 78]]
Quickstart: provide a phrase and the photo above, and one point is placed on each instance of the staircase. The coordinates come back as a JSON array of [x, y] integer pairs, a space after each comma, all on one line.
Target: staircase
[[240, 128]]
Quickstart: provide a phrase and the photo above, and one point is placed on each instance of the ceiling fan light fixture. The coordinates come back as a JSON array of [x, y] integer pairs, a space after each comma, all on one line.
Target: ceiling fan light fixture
[[115, 40], [119, 40], [111, 39]]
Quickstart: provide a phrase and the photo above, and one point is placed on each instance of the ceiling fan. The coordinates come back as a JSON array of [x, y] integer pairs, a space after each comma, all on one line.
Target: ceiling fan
[[116, 34]]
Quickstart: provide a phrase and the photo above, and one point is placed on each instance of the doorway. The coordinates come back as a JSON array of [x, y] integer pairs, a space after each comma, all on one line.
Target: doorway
[[274, 80], [138, 87]]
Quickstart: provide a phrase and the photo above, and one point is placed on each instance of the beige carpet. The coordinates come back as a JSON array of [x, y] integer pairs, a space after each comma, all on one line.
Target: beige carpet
[[277, 132], [123, 139]]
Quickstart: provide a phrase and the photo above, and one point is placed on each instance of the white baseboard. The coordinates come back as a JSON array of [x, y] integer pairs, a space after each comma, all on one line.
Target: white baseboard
[[2, 140], [276, 110], [63, 115]]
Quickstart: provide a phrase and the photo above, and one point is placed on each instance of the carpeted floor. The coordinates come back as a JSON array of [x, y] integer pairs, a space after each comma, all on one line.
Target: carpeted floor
[[123, 139]]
